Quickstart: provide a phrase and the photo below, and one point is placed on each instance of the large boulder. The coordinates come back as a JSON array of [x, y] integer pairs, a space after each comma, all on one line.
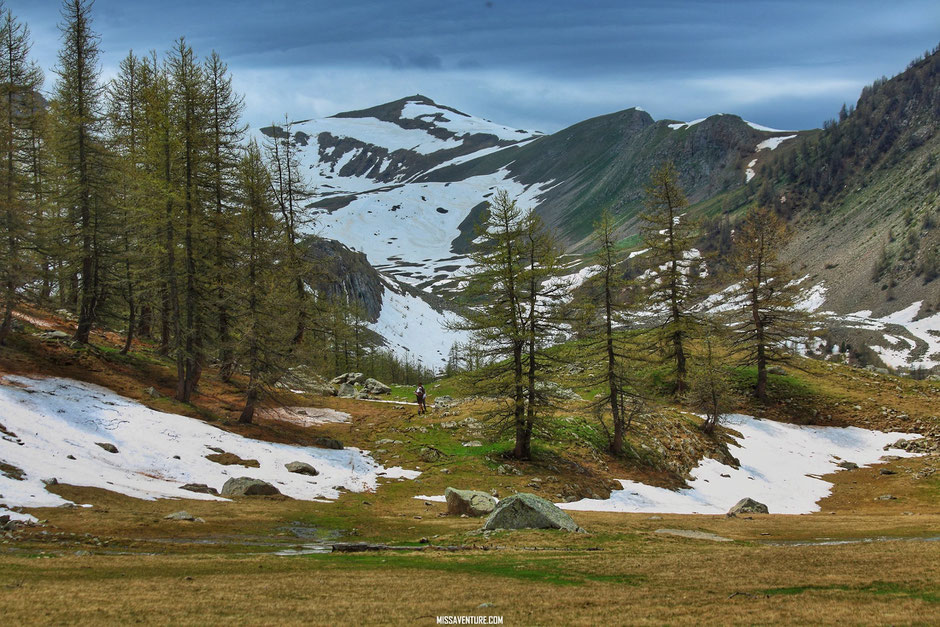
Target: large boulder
[[301, 468], [469, 502], [247, 486], [748, 506], [346, 390], [351, 378], [375, 387], [528, 511]]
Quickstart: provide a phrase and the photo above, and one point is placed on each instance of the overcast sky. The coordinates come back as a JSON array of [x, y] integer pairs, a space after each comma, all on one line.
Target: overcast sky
[[534, 64]]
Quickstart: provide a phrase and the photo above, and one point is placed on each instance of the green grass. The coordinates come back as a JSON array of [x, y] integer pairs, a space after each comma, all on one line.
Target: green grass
[[548, 570], [876, 588]]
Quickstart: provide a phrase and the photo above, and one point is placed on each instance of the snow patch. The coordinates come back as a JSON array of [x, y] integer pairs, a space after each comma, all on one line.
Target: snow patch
[[55, 418], [780, 466]]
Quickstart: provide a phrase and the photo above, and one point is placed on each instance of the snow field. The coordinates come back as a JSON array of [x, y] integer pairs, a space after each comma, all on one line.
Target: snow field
[[52, 419]]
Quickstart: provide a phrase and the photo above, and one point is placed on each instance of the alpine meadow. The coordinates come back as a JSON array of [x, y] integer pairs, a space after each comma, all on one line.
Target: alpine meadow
[[381, 361]]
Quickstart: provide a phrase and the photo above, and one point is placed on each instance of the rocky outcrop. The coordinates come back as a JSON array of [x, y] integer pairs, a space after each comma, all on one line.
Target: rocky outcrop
[[248, 486], [351, 378], [528, 511], [748, 506], [347, 390], [469, 503]]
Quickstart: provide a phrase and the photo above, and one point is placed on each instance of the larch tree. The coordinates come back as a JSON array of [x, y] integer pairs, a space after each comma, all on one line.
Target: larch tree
[[609, 294], [292, 194], [19, 90], [125, 122], [764, 301], [514, 289], [226, 133], [188, 104], [263, 339], [671, 281], [78, 101]]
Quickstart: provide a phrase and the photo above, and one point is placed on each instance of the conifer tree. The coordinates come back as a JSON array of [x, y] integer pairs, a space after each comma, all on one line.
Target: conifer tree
[[188, 104], [610, 293], [20, 80], [81, 159], [263, 336], [671, 284], [226, 132], [765, 298]]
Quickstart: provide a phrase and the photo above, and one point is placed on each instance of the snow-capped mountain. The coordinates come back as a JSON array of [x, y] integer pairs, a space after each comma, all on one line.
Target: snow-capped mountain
[[406, 182]]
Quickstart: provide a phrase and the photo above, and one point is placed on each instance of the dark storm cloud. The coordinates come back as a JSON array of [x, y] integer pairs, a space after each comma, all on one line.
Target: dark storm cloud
[[532, 62]]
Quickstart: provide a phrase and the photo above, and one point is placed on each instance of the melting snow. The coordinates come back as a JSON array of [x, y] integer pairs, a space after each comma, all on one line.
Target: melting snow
[[759, 127], [780, 466], [55, 418], [412, 327], [773, 142]]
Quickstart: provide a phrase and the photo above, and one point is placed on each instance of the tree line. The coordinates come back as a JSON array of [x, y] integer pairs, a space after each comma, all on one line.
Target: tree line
[[635, 312], [141, 204]]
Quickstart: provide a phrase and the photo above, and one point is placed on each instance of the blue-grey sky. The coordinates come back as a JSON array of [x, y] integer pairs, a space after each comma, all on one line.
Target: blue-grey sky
[[535, 64]]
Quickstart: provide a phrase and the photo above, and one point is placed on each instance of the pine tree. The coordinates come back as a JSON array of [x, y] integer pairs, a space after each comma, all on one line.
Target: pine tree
[[671, 280], [81, 159], [764, 301], [19, 90]]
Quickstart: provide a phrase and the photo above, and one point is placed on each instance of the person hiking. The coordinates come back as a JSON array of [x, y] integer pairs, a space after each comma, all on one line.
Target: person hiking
[[420, 395]]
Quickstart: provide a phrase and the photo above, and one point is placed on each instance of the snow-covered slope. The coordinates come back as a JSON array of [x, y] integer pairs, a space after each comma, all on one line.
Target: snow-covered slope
[[780, 466], [51, 429]]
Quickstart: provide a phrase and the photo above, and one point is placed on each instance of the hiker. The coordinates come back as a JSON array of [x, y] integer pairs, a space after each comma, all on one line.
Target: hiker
[[420, 395]]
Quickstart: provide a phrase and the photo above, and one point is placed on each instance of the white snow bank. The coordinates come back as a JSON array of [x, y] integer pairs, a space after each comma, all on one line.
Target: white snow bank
[[773, 142], [679, 125], [761, 127], [52, 419], [780, 467]]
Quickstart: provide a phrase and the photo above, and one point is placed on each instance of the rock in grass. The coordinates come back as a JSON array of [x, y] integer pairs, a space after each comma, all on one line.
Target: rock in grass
[[301, 468], [748, 506], [373, 386], [528, 511], [847, 465], [201, 488], [107, 446], [469, 502], [247, 486], [326, 442], [180, 515]]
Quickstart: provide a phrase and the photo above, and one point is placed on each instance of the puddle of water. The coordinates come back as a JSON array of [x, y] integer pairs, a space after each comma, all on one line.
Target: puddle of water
[[306, 549], [828, 542]]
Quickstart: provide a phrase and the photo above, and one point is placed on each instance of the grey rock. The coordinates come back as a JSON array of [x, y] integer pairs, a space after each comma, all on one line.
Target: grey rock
[[327, 442], [777, 370], [553, 389], [430, 454], [469, 502], [181, 515], [506, 469], [152, 392], [847, 465], [247, 486], [301, 468], [201, 488], [108, 447], [346, 390], [886, 497], [473, 443], [528, 511], [351, 378], [748, 506], [54, 335], [50, 481], [444, 402], [373, 386]]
